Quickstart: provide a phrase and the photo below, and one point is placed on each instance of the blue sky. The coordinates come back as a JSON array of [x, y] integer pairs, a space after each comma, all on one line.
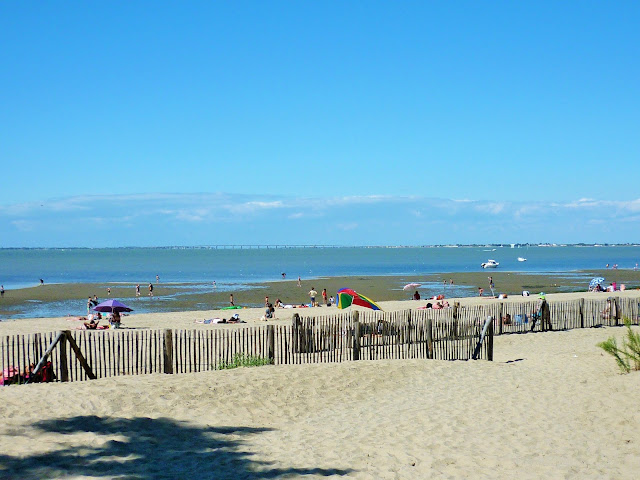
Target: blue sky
[[190, 123]]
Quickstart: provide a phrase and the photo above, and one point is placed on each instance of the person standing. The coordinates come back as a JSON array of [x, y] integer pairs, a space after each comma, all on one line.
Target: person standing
[[231, 300], [108, 291], [1, 290], [157, 279], [312, 296], [95, 301], [324, 297], [89, 304], [137, 290], [151, 290], [299, 281]]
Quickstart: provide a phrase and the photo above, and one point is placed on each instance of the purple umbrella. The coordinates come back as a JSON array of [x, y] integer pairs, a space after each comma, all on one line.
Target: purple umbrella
[[112, 306]]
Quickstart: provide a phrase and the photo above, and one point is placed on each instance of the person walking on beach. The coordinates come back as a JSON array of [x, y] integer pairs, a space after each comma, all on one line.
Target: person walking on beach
[[138, 290], [299, 281], [150, 290], [231, 304], [312, 296]]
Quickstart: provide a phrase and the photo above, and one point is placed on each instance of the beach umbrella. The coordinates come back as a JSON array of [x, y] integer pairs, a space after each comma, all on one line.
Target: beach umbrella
[[596, 281], [411, 286], [112, 306], [347, 297]]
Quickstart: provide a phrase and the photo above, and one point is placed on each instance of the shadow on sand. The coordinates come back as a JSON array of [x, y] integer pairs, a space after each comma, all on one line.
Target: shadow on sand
[[145, 449]]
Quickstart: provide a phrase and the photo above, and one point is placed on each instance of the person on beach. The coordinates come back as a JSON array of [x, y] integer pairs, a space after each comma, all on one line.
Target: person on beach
[[1, 290], [480, 291], [214, 284], [95, 301], [150, 290], [231, 304], [299, 281], [331, 301], [89, 305], [284, 275], [491, 282], [41, 282], [137, 290], [324, 297], [108, 291], [157, 279], [416, 296], [312, 296], [266, 301]]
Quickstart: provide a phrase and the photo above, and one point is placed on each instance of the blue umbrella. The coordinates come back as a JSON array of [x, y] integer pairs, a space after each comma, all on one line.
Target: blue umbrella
[[596, 281]]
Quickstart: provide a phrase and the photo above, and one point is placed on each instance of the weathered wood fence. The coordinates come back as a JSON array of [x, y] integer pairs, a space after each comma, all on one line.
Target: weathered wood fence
[[77, 355], [448, 334]]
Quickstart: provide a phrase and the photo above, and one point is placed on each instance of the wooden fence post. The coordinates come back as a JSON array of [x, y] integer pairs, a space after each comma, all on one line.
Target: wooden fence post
[[168, 351], [409, 334], [454, 332], [81, 359], [617, 304], [582, 313], [64, 364], [500, 314], [545, 314], [271, 349], [429, 338], [356, 336], [490, 344]]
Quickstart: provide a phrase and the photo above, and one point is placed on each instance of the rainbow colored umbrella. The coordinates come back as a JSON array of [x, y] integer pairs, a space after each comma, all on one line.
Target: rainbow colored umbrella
[[347, 297]]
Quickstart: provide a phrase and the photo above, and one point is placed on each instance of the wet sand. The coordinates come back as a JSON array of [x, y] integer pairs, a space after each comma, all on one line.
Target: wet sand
[[190, 297]]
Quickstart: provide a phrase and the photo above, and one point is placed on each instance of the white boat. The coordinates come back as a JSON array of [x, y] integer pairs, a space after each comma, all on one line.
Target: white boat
[[520, 259], [490, 264]]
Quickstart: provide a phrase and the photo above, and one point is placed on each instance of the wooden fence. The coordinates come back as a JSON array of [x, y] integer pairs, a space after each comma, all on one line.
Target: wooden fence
[[86, 354], [448, 334]]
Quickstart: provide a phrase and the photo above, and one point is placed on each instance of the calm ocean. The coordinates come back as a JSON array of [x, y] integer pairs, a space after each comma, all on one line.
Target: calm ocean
[[24, 267]]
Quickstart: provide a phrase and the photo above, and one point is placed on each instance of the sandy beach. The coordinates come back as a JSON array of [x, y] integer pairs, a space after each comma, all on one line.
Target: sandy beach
[[551, 405]]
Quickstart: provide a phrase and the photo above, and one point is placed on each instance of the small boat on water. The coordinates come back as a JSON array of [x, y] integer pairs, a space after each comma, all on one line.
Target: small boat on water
[[521, 259], [490, 264]]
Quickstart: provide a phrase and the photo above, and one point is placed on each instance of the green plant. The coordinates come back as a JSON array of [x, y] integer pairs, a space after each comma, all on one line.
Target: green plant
[[627, 357], [243, 360]]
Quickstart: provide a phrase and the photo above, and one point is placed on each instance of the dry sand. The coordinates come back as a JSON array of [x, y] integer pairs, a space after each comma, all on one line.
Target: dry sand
[[551, 405]]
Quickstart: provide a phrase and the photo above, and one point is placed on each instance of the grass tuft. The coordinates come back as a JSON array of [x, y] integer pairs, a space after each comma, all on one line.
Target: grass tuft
[[242, 360], [627, 357]]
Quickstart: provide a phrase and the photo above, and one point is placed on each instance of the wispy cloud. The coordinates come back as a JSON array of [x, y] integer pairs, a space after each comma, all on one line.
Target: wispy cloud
[[199, 218]]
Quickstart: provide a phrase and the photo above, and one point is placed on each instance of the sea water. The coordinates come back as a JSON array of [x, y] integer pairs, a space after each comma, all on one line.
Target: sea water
[[236, 266]]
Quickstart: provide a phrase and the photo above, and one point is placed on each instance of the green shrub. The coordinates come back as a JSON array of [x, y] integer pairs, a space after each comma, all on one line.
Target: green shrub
[[242, 360], [627, 357]]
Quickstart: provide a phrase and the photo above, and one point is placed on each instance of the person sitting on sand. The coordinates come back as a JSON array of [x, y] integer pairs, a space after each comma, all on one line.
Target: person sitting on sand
[[428, 305], [91, 325], [279, 303], [416, 296], [437, 306]]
